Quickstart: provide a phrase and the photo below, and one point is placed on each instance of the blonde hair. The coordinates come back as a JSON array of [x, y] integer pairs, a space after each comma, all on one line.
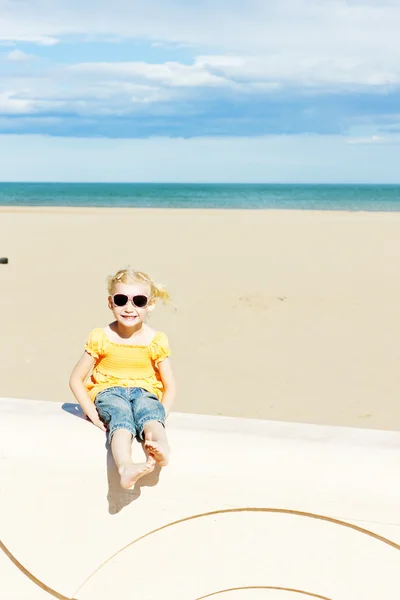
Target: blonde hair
[[129, 275]]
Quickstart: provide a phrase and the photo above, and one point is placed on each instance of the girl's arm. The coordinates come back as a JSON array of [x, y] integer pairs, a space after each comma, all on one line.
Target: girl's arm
[[169, 383], [77, 385]]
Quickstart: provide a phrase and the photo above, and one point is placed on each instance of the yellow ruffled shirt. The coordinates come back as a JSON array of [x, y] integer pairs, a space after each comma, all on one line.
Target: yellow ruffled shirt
[[125, 366]]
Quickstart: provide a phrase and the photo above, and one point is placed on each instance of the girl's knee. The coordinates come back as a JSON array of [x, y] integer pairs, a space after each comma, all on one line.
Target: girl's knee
[[121, 432], [150, 422], [116, 410]]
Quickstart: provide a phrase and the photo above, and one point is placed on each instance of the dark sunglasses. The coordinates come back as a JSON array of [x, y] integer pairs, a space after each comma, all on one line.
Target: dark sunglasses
[[122, 299]]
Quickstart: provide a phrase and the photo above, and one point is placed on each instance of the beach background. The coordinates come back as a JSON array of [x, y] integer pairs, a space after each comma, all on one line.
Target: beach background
[[281, 314]]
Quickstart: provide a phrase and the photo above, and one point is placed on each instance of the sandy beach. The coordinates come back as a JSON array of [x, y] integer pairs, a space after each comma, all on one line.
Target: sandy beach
[[280, 315]]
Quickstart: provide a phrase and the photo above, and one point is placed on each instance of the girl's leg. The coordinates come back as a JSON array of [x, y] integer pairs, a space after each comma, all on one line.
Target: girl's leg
[[115, 410], [156, 443], [149, 417], [121, 448]]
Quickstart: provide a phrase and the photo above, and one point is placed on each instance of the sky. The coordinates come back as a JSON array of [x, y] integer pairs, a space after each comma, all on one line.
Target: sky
[[272, 90]]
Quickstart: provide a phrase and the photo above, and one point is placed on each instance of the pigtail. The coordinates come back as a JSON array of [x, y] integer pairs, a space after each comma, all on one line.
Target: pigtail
[[161, 293]]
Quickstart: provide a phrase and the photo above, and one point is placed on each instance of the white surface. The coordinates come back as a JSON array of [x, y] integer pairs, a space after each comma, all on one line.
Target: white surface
[[67, 521]]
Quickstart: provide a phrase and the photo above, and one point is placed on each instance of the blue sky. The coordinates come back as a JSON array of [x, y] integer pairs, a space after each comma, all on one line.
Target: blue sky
[[262, 79]]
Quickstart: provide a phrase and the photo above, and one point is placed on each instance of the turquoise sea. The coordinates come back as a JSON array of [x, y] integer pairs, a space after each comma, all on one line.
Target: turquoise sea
[[171, 195]]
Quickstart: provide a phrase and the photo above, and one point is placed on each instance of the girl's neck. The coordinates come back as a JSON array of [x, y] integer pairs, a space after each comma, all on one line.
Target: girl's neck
[[126, 332]]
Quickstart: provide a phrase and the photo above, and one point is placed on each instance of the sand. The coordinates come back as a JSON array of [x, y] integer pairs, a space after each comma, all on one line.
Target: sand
[[281, 315]]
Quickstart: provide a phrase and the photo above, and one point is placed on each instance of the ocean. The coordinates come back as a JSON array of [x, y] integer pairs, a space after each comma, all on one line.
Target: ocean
[[234, 196]]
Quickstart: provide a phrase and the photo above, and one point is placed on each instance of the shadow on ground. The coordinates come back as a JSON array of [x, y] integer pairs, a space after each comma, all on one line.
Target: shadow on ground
[[117, 497]]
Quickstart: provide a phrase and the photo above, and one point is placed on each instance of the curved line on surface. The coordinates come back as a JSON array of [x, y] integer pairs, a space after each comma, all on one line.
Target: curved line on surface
[[265, 587], [30, 575], [282, 511]]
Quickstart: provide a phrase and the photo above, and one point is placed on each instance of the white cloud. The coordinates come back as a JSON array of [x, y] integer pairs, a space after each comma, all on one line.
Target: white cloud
[[11, 104], [103, 88], [40, 40], [312, 42], [169, 74], [244, 51], [373, 139], [64, 90], [285, 68], [19, 56], [329, 27], [120, 88], [43, 40], [376, 140]]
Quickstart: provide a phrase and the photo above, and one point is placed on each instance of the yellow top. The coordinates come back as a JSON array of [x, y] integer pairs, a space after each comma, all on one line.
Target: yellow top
[[125, 366]]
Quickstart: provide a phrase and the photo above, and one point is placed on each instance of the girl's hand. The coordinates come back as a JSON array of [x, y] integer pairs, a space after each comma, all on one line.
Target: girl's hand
[[98, 422]]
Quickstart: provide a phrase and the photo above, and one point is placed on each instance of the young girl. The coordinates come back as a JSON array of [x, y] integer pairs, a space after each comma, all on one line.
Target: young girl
[[132, 387]]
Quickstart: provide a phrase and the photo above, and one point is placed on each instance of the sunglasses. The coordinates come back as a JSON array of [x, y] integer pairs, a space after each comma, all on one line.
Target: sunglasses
[[139, 301]]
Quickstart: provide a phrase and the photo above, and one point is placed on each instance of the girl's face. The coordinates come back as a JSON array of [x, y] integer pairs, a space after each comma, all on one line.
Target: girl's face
[[130, 303]]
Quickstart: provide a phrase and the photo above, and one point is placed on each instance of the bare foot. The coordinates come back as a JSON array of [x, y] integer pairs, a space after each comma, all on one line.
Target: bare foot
[[130, 474], [159, 450]]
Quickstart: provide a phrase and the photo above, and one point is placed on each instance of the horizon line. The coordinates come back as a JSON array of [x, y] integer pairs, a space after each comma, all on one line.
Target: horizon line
[[77, 182]]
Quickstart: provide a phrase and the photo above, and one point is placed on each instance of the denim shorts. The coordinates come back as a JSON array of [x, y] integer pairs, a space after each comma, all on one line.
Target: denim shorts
[[128, 408]]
